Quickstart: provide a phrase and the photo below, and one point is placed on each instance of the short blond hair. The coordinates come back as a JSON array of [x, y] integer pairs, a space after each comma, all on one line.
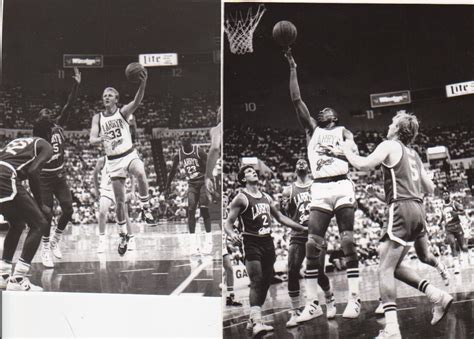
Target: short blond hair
[[407, 125], [111, 89]]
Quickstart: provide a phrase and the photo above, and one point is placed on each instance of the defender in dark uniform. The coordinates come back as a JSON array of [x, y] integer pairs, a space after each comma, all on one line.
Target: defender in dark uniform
[[53, 174], [254, 210], [296, 202], [405, 182], [193, 160], [22, 159], [451, 210]]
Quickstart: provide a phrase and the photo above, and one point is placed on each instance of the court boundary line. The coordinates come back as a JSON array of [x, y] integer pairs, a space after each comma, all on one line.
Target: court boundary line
[[181, 287]]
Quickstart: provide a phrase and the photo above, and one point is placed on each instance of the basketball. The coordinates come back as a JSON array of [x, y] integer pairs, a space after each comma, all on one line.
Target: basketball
[[284, 33], [133, 70]]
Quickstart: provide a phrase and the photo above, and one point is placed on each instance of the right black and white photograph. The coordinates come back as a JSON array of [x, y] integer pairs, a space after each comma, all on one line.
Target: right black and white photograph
[[348, 170]]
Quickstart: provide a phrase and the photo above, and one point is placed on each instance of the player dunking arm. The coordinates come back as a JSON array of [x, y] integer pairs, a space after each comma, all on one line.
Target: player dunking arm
[[255, 210], [332, 195], [53, 177], [296, 201], [105, 193], [20, 159], [405, 182], [194, 160], [450, 212], [110, 128]]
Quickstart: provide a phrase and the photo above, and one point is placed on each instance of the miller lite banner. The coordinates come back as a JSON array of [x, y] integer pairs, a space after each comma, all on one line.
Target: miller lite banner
[[461, 88], [390, 99]]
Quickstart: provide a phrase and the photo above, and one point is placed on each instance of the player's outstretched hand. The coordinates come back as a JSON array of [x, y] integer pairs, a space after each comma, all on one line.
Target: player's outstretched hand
[[105, 137], [143, 76], [77, 75], [234, 238], [289, 57], [210, 187]]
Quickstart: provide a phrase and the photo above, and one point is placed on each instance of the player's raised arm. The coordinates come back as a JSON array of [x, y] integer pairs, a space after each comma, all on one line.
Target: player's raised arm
[[63, 116], [302, 112], [284, 220], [44, 152], [132, 106], [173, 170], [98, 167], [236, 206]]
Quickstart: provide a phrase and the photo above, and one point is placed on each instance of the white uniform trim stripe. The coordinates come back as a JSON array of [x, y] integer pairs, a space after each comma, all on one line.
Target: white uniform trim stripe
[[394, 182], [52, 169], [13, 181], [390, 226]]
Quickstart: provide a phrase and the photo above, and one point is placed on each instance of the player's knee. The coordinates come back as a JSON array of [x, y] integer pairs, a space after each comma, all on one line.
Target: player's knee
[[348, 245], [314, 246], [256, 280], [42, 225], [67, 210]]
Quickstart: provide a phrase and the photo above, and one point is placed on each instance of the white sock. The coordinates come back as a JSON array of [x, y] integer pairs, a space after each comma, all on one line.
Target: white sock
[[255, 314], [57, 235], [353, 281], [208, 238], [45, 243], [295, 301], [391, 320], [5, 267], [21, 268]]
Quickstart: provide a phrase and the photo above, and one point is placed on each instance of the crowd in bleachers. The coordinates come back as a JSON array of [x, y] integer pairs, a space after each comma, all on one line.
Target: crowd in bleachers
[[280, 149], [20, 109]]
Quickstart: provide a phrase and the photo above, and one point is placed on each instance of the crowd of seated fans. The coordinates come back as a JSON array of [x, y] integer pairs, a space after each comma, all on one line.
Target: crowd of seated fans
[[20, 111], [20, 108]]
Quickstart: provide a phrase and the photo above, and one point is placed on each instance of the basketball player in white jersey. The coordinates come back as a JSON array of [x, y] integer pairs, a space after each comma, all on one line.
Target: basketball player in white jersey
[[111, 129], [105, 193], [332, 194]]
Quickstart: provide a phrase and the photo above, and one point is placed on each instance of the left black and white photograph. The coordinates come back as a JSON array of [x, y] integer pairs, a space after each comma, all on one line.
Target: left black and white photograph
[[109, 147]]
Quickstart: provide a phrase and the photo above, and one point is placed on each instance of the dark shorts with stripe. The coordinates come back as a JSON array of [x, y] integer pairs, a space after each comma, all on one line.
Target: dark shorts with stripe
[[55, 184], [22, 209], [197, 191], [405, 223], [8, 184], [259, 248]]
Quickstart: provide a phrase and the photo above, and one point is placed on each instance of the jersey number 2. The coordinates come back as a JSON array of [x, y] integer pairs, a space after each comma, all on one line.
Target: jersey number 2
[[17, 145]]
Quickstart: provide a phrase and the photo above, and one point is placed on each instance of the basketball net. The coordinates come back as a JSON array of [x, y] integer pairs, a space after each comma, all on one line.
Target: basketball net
[[240, 29]]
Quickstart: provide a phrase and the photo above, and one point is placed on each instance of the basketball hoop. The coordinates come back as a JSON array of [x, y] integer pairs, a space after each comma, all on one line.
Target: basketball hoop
[[240, 29]]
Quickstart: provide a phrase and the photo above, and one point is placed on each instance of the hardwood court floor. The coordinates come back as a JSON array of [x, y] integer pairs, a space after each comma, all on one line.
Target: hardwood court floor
[[414, 309], [161, 264]]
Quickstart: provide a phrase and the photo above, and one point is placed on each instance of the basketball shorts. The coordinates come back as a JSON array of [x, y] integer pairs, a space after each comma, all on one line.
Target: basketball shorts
[[118, 168], [54, 184], [197, 190], [259, 248], [8, 182], [107, 193], [22, 209], [331, 196], [456, 228], [405, 222], [298, 240]]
